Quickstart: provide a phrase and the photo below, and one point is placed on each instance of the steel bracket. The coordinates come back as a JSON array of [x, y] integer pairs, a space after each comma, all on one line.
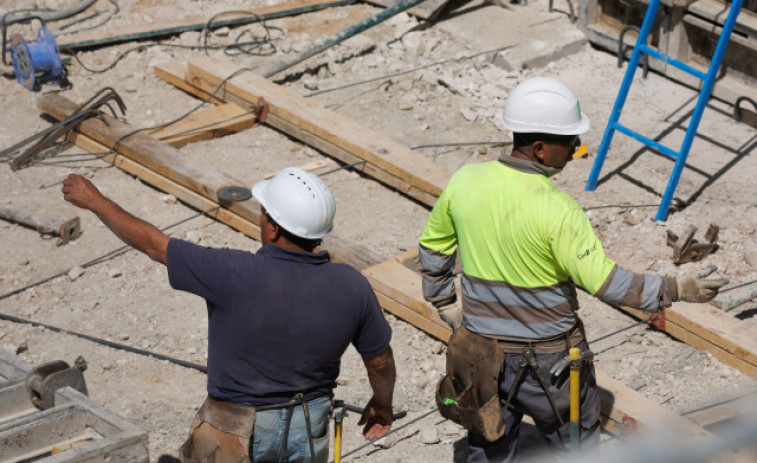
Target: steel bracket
[[47, 378]]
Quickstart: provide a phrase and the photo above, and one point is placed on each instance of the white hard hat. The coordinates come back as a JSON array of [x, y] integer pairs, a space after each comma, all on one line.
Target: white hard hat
[[299, 202], [544, 105]]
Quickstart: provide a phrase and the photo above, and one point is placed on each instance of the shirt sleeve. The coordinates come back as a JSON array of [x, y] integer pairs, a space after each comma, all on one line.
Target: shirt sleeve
[[580, 254], [199, 270], [374, 334], [578, 251], [437, 246]]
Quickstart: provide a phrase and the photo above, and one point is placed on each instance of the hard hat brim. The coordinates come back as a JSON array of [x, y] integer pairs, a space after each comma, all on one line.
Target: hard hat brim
[[519, 127]]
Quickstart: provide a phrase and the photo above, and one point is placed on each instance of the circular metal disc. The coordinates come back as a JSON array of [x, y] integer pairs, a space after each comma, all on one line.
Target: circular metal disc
[[234, 193]]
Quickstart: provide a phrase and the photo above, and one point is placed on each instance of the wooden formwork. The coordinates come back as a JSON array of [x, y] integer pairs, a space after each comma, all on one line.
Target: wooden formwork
[[397, 284], [686, 30]]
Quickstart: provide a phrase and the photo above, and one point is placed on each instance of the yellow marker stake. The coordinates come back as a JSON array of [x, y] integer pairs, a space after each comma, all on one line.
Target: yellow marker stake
[[338, 441], [575, 398]]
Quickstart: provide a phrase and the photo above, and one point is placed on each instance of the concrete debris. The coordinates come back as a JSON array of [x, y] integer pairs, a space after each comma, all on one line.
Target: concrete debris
[[429, 435], [168, 199], [451, 429], [469, 114], [190, 39], [193, 236], [387, 442], [221, 32], [114, 273], [75, 273], [406, 102], [310, 83]]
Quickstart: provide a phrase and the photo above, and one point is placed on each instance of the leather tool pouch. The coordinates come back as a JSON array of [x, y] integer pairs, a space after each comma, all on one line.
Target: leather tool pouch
[[468, 393], [221, 433]]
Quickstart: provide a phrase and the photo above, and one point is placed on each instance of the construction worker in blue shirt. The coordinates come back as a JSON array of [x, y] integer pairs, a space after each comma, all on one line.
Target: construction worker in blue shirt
[[279, 322], [524, 246]]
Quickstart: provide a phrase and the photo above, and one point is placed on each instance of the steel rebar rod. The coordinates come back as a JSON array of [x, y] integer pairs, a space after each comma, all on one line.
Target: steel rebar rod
[[329, 42]]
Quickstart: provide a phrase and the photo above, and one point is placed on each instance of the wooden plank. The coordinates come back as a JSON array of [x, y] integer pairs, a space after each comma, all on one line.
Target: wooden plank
[[419, 321], [174, 72], [308, 166], [308, 116], [183, 194], [706, 327], [195, 23], [205, 180], [717, 12], [205, 124]]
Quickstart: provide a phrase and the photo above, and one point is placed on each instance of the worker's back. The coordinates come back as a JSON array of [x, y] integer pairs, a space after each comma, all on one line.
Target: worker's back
[[521, 242], [279, 320]]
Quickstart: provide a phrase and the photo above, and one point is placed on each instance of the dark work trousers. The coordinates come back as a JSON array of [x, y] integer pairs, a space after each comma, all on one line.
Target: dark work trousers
[[530, 399]]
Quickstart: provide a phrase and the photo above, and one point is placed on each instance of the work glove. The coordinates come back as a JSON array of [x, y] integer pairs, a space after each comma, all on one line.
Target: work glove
[[695, 288], [452, 314]]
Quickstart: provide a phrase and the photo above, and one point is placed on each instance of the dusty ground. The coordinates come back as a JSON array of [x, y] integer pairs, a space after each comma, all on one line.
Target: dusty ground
[[127, 298]]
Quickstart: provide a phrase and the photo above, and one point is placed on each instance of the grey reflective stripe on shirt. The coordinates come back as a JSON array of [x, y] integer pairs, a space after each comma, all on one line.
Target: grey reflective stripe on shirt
[[435, 262], [650, 302], [503, 328], [498, 309], [619, 281], [636, 290], [438, 281]]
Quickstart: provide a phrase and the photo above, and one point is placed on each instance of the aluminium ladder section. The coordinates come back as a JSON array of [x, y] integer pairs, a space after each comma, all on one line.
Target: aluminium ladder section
[[704, 95]]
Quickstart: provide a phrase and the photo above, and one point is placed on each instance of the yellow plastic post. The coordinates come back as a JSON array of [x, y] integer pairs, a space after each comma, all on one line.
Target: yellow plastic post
[[338, 442], [575, 398]]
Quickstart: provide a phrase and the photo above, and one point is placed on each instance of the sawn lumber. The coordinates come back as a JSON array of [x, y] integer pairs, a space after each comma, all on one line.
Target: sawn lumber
[[168, 162], [706, 327], [205, 124], [386, 160]]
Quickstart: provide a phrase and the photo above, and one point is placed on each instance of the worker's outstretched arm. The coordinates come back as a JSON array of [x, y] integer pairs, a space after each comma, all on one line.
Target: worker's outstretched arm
[[135, 232], [377, 416]]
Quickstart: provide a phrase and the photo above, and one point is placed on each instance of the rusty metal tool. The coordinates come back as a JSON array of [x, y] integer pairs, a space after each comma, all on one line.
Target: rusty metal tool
[[687, 249], [47, 137], [47, 378], [67, 230]]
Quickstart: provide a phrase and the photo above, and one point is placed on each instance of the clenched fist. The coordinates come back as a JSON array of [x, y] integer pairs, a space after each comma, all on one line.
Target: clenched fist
[[80, 192]]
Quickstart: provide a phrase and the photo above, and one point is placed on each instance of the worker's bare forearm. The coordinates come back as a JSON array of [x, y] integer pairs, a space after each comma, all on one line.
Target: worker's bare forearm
[[382, 375], [135, 232]]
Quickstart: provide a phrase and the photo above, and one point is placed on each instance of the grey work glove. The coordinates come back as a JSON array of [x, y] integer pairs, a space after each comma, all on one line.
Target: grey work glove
[[693, 288], [452, 314]]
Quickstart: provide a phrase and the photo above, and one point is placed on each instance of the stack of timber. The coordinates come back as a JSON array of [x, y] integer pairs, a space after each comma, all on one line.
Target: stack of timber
[[342, 138]]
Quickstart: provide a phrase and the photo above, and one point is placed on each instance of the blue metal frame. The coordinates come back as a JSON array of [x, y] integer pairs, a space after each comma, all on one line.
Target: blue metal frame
[[704, 95]]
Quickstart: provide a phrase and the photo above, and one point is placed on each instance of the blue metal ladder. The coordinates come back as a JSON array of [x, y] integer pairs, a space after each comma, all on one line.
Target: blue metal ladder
[[704, 95]]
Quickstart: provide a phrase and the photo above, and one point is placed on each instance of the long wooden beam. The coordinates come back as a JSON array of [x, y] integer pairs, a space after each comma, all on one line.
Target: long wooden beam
[[385, 160], [168, 162]]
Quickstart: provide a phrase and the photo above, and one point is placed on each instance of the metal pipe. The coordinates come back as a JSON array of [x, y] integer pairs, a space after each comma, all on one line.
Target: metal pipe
[[731, 303], [329, 42]]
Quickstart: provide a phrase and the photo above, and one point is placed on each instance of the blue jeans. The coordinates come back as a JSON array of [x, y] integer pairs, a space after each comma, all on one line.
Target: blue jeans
[[268, 436]]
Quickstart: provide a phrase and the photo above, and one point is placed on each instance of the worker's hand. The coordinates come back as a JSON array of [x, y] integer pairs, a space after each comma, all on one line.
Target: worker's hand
[[377, 420], [698, 289], [452, 314], [80, 192]]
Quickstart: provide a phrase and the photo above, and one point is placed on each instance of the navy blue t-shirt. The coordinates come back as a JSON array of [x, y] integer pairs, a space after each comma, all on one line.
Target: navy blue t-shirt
[[279, 320]]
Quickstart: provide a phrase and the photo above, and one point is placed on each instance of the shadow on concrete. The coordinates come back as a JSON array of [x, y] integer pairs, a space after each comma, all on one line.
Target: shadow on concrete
[[678, 204]]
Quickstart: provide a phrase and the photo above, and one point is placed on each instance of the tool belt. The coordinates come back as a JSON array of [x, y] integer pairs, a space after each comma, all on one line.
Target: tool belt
[[220, 433], [468, 392]]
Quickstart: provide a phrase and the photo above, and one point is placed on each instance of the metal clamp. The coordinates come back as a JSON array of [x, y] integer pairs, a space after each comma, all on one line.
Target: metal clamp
[[47, 378]]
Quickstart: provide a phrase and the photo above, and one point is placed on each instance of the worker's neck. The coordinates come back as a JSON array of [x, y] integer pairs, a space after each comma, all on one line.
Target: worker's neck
[[288, 245], [518, 154]]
